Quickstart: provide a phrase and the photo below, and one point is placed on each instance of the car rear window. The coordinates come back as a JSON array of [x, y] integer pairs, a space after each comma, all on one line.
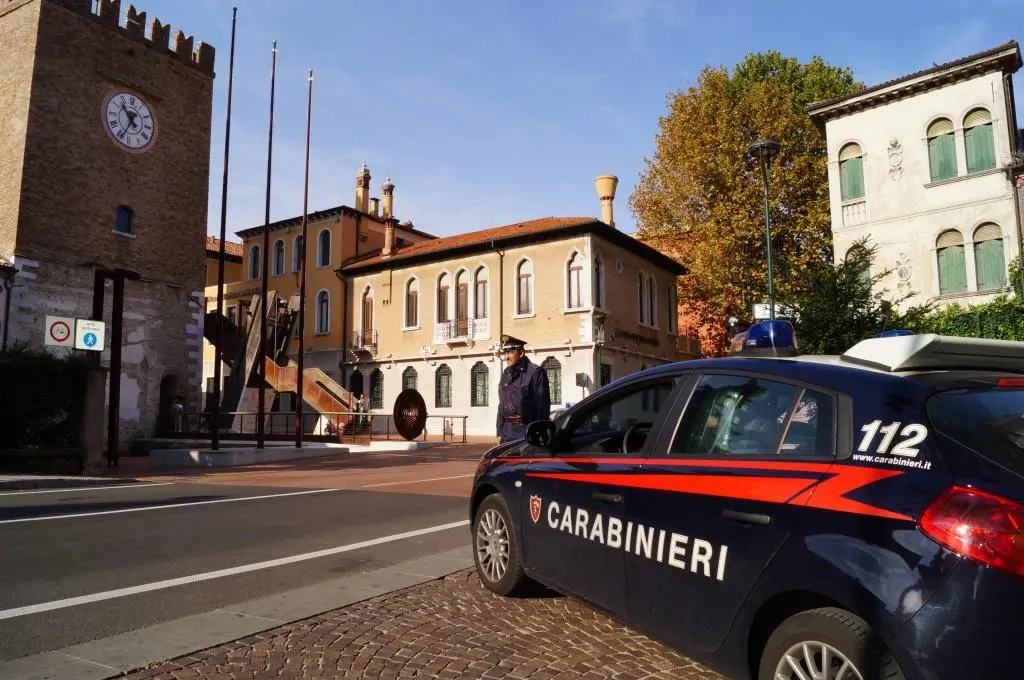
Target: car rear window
[[988, 420]]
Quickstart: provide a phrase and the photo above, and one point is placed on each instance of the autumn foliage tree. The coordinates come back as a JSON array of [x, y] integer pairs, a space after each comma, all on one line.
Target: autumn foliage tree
[[700, 201]]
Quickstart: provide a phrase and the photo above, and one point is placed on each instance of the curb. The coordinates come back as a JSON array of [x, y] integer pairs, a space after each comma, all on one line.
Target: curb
[[19, 483]]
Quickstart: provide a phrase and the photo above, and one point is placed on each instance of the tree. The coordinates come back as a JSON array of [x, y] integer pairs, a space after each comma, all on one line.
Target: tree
[[698, 200], [844, 303]]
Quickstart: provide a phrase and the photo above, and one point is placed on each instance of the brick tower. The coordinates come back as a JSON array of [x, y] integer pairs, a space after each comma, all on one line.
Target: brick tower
[[104, 173]]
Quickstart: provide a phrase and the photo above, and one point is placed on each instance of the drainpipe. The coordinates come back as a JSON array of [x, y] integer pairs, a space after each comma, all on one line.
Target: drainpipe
[[1012, 169], [501, 291], [8, 284], [344, 326]]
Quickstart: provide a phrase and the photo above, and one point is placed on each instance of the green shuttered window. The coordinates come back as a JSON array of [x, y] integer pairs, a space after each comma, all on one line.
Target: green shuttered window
[[851, 172], [941, 150], [979, 141], [951, 262], [989, 260]]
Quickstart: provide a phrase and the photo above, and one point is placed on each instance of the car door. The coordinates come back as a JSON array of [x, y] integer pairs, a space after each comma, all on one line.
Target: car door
[[574, 501], [718, 498]]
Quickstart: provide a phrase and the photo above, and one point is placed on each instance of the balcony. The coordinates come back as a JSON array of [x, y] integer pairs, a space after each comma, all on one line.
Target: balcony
[[461, 330], [855, 213], [364, 340]]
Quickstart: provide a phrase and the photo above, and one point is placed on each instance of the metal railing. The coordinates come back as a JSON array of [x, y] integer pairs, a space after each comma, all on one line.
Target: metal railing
[[341, 426], [364, 338]]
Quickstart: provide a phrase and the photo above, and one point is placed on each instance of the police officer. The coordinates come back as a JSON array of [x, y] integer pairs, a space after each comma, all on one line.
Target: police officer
[[523, 393]]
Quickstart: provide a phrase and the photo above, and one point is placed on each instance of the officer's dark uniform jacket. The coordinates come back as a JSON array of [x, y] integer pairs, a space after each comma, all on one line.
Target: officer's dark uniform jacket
[[523, 397]]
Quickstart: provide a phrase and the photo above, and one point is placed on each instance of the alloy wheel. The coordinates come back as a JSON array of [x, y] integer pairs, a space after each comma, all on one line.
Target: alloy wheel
[[492, 545], [815, 661]]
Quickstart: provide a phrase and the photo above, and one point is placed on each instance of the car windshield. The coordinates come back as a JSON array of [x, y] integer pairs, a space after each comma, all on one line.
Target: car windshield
[[989, 421]]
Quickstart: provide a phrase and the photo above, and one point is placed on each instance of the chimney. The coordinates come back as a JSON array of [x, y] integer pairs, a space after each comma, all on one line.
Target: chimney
[[389, 237], [605, 185], [363, 189], [389, 198], [375, 206]]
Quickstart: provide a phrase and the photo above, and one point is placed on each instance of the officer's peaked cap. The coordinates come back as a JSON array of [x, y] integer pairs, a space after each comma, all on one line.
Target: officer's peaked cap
[[511, 342]]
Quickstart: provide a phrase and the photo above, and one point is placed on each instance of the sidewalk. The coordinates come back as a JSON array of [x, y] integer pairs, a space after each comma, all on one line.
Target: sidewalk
[[28, 482]]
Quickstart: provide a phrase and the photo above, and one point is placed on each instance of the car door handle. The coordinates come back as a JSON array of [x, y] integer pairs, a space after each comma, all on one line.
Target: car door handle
[[608, 497], [746, 517]]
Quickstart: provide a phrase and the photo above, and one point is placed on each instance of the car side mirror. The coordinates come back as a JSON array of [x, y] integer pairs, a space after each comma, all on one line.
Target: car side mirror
[[541, 433]]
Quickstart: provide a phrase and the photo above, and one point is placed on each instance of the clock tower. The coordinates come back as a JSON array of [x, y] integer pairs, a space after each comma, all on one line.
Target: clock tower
[[105, 120]]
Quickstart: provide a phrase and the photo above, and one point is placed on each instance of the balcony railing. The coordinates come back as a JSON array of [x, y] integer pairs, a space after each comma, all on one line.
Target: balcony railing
[[688, 346], [364, 338], [461, 330]]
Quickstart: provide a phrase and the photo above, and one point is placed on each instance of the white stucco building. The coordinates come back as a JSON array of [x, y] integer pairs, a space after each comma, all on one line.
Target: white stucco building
[[923, 166]]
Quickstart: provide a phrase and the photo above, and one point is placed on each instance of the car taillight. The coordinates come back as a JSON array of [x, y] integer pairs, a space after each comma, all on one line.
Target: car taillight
[[1010, 382], [978, 525]]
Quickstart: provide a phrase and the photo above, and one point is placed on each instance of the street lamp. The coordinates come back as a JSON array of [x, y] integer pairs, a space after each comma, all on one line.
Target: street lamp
[[763, 152]]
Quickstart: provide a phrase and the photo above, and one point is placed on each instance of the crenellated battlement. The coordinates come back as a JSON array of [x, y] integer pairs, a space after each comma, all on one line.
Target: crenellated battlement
[[132, 23]]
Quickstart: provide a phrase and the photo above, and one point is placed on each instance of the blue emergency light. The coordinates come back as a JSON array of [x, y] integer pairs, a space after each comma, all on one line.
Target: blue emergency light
[[893, 333], [767, 338]]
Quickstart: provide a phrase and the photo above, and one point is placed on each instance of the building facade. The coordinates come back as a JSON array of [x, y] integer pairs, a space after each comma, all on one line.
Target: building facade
[[104, 167], [335, 234], [592, 303], [923, 166]]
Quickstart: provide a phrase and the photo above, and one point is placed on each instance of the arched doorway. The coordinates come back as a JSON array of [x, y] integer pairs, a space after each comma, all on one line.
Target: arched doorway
[[355, 383]]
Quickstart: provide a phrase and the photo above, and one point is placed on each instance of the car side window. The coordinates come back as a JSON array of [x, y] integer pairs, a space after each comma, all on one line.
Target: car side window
[[742, 415], [618, 425]]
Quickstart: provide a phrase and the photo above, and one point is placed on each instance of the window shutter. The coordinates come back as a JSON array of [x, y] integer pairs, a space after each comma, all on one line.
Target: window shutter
[[988, 232], [952, 270], [942, 157], [977, 117], [980, 147], [990, 264], [949, 238], [942, 126]]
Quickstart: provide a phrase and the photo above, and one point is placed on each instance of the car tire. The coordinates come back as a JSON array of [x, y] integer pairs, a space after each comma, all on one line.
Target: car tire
[[501, 568], [845, 633]]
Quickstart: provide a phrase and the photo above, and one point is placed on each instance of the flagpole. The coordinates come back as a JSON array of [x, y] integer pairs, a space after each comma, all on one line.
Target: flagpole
[[219, 330], [302, 271], [261, 356]]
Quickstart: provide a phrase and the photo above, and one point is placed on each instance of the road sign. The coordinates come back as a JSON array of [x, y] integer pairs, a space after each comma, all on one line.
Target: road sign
[[58, 331], [90, 334]]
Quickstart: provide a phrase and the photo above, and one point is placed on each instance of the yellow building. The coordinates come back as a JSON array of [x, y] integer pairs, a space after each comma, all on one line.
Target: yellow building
[[592, 303], [335, 234]]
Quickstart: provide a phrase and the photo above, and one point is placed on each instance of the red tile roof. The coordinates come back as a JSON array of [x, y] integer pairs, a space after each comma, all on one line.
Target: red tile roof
[[543, 228], [230, 247]]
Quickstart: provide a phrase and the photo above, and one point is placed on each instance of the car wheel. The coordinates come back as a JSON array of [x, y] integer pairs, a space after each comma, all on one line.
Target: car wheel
[[826, 644], [495, 548]]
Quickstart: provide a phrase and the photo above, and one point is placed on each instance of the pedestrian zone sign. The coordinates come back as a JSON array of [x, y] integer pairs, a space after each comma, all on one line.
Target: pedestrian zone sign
[[90, 335], [59, 331]]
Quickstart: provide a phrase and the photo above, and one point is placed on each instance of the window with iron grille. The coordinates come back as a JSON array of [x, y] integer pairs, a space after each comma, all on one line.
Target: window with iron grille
[[409, 378], [479, 375], [443, 387], [376, 388], [554, 370]]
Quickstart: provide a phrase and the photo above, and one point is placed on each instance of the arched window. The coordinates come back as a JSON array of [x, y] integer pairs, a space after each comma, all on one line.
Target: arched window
[[376, 388], [323, 312], [598, 283], [851, 172], [297, 253], [524, 287], [366, 322], [462, 304], [641, 297], [989, 259], [652, 302], [941, 149], [478, 380], [409, 378], [574, 282], [443, 286], [979, 142], [857, 255], [123, 219], [951, 262], [254, 262], [671, 308], [553, 368], [412, 303], [278, 267], [443, 387], [323, 249], [480, 293]]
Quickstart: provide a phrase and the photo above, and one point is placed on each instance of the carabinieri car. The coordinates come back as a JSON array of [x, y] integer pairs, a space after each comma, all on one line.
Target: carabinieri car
[[780, 516]]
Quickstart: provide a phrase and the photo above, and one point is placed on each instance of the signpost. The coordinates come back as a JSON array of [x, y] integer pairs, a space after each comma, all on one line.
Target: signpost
[[59, 331], [90, 335]]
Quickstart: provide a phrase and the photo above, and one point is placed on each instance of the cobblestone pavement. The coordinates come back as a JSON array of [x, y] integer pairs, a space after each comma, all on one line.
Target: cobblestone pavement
[[450, 629]]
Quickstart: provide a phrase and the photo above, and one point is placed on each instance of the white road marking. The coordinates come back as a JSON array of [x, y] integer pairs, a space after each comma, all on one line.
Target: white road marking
[[164, 507], [415, 481], [78, 489], [220, 573]]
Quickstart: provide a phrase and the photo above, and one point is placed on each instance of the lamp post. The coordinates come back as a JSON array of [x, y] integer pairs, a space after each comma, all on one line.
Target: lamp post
[[762, 152]]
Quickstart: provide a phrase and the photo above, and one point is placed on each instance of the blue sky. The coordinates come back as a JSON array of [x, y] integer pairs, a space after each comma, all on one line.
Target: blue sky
[[486, 112]]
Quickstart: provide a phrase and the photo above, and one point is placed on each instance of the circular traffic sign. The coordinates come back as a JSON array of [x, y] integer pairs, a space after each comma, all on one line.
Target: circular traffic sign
[[89, 339], [60, 331]]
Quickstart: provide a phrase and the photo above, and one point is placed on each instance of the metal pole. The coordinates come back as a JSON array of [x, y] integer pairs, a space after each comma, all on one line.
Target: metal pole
[[302, 274], [219, 330], [261, 356], [768, 240], [114, 399]]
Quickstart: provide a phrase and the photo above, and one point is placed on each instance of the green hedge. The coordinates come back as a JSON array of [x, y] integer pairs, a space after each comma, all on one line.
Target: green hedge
[[1000, 319], [41, 399]]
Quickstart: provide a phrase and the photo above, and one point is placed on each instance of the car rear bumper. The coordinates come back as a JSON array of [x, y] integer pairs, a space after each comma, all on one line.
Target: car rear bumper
[[971, 628]]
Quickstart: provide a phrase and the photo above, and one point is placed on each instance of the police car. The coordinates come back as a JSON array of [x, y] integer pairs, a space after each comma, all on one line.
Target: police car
[[781, 516]]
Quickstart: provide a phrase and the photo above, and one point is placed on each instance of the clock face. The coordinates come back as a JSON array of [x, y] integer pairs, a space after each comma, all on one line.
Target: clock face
[[129, 121]]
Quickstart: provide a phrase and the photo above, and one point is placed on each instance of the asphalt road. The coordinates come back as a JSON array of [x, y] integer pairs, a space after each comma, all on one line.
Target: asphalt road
[[162, 541]]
